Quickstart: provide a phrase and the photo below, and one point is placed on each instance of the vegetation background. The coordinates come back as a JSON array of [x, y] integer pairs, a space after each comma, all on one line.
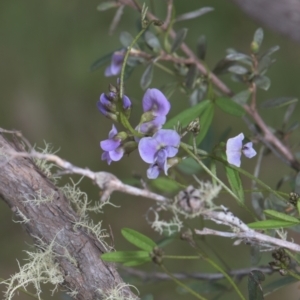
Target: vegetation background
[[48, 92]]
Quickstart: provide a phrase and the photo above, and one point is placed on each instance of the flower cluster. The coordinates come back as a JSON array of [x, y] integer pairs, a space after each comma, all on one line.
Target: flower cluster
[[158, 147]]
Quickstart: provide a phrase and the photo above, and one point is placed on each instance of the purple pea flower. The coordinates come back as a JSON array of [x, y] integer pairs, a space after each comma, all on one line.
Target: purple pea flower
[[156, 149], [116, 64], [107, 104], [112, 147], [234, 149], [156, 106]]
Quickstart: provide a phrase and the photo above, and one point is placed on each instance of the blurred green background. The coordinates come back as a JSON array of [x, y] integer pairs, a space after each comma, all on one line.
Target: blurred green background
[[48, 92]]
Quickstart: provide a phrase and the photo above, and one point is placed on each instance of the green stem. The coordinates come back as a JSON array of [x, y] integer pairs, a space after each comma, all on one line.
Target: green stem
[[226, 276], [182, 284], [181, 257], [162, 67], [291, 273], [184, 146]]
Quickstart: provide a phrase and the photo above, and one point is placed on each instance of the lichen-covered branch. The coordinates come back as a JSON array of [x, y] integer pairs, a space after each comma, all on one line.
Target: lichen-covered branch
[[75, 251]]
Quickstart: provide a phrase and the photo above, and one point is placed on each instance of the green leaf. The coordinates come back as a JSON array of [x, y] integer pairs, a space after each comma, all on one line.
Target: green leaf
[[201, 47], [222, 66], [165, 184], [255, 291], [101, 61], [125, 256], [263, 82], [280, 216], [106, 5], [242, 97], [278, 102], [152, 41], [179, 38], [279, 283], [258, 37], [230, 107], [236, 69], [235, 182], [194, 14], [206, 118], [137, 261], [270, 51], [191, 76], [238, 57], [188, 115], [271, 224], [147, 76], [126, 39], [138, 239]]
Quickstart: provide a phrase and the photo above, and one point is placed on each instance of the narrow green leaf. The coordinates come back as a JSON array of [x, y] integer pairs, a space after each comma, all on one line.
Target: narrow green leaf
[[271, 224], [279, 283], [165, 184], [236, 56], [280, 216], [201, 47], [230, 107], [189, 166], [191, 76], [126, 39], [278, 102], [123, 256], [194, 14], [152, 41], [188, 115], [206, 118], [263, 82], [179, 38], [147, 76], [106, 5], [137, 261], [258, 36], [242, 97], [138, 239], [236, 69], [270, 51], [235, 182], [222, 66], [255, 291]]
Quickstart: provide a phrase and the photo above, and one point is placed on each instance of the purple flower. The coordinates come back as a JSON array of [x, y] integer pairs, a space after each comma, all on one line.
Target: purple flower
[[234, 149], [156, 106], [107, 104], [156, 149], [113, 150], [116, 64]]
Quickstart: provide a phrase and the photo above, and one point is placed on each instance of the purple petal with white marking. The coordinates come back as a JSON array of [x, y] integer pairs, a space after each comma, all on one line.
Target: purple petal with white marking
[[248, 150], [235, 143], [167, 137], [117, 154], [234, 158]]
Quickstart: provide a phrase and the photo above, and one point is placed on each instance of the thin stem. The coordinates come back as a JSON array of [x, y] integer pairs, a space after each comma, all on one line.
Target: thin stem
[[293, 274], [162, 67], [226, 276], [209, 171], [182, 284]]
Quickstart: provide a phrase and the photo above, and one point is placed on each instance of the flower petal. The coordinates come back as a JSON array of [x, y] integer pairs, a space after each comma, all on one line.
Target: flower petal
[[105, 156], [171, 151], [109, 144], [160, 158], [126, 102], [116, 64], [153, 172], [235, 144], [234, 158], [154, 100], [248, 150], [102, 108], [147, 148], [117, 154], [167, 137]]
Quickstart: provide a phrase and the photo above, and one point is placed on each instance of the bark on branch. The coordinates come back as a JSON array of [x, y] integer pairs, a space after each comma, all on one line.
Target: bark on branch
[[21, 180]]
